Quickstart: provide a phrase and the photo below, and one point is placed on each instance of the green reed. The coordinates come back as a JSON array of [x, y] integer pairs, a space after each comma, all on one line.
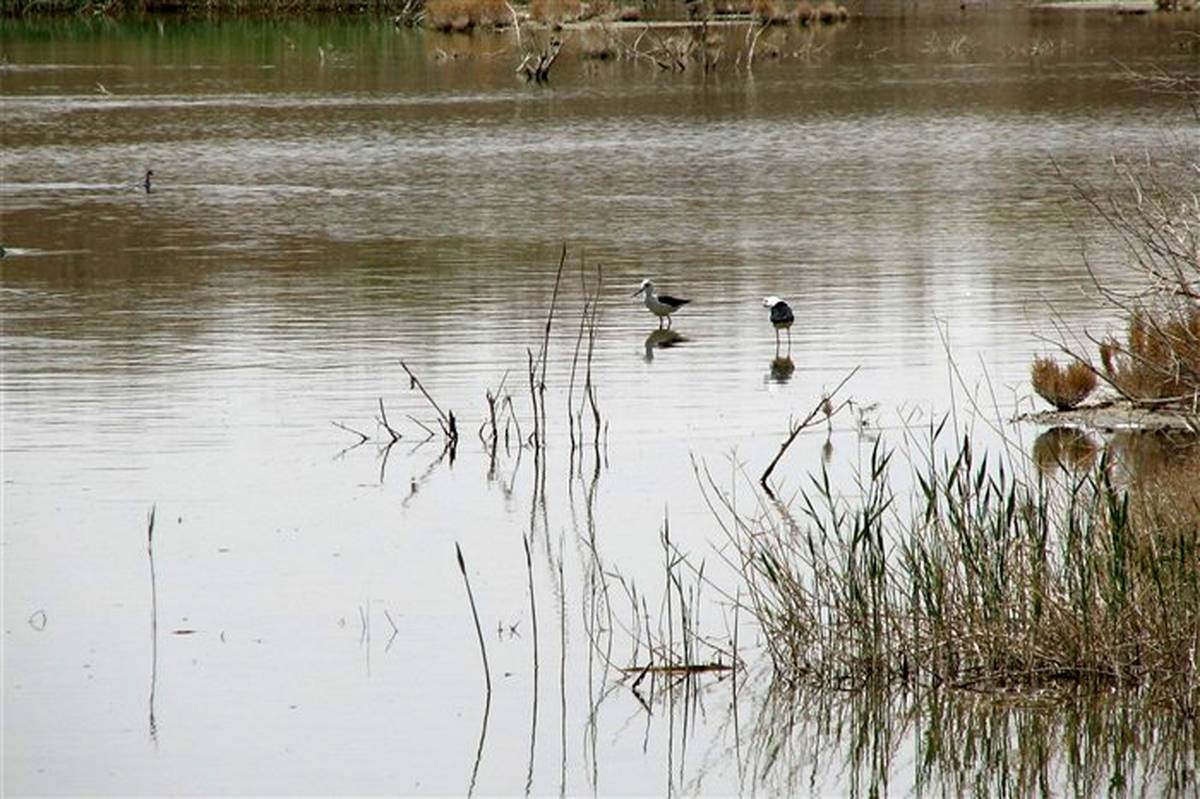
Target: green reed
[[990, 578]]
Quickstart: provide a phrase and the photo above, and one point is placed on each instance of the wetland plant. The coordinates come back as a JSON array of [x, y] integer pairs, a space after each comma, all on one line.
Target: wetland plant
[[991, 581], [1159, 362], [463, 15], [771, 12], [1062, 387], [556, 12]]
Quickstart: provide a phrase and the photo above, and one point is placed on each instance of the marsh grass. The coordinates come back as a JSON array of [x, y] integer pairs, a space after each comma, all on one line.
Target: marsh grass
[[771, 12], [555, 12], [1160, 359], [1063, 387], [463, 15], [992, 580]]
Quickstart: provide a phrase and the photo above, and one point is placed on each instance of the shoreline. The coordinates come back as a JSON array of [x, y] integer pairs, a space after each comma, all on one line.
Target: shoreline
[[34, 9]]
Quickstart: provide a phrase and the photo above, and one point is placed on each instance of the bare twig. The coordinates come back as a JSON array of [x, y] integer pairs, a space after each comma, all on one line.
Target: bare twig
[[365, 438], [449, 426], [384, 421], [822, 406]]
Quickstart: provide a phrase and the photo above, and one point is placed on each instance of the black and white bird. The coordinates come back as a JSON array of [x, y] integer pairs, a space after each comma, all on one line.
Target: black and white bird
[[781, 318], [145, 184], [661, 305]]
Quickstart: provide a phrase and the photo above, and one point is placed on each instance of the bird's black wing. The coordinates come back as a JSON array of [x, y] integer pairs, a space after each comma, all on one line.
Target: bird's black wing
[[781, 313], [674, 302]]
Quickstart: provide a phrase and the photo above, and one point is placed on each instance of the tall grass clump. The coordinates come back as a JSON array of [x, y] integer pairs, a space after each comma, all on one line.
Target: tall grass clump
[[987, 580], [771, 12], [1159, 362], [1064, 388], [555, 12], [463, 15]]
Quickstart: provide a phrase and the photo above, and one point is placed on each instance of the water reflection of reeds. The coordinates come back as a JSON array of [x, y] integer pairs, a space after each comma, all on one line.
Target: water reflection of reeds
[[1065, 448], [962, 744]]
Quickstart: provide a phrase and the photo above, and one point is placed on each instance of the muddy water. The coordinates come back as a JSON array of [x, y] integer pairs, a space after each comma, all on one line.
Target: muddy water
[[330, 198]]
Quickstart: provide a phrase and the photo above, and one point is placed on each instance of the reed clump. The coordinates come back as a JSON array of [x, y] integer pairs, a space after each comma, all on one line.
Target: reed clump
[[771, 12], [992, 581], [1065, 448], [463, 15], [1064, 388], [1160, 358], [829, 13], [556, 12], [597, 44]]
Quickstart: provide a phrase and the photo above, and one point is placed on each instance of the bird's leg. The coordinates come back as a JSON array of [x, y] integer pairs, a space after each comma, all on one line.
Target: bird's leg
[[668, 321], [789, 341]]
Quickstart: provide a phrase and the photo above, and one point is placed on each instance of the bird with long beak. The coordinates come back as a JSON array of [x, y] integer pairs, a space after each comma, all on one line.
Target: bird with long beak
[[661, 305]]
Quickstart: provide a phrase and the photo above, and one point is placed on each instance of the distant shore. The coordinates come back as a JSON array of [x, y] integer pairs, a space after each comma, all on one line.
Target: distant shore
[[292, 8]]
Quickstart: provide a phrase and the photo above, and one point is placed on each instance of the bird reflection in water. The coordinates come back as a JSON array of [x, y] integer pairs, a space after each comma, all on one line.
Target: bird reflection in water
[[782, 369], [661, 339]]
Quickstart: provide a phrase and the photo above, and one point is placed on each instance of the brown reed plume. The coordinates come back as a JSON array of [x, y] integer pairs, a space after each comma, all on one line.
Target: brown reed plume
[[1064, 388]]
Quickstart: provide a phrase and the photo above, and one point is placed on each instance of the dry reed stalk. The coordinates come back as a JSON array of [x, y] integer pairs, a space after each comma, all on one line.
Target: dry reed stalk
[[462, 567], [153, 619]]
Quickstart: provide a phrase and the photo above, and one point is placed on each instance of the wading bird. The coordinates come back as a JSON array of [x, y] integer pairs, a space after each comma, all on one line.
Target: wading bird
[[146, 180], [781, 318], [660, 305]]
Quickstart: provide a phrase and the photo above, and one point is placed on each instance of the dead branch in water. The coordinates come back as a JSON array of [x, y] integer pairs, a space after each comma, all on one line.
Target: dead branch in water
[[677, 669], [363, 436], [535, 66], [447, 421], [153, 620], [384, 421], [823, 406]]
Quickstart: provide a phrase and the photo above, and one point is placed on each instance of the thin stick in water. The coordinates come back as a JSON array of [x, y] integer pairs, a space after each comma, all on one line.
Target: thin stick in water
[[153, 620], [462, 567]]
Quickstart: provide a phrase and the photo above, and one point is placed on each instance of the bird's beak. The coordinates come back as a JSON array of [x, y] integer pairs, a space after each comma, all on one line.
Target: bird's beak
[[639, 291]]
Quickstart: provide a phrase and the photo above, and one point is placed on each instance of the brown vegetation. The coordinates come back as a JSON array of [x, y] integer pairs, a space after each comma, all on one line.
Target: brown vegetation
[[1160, 359], [597, 44], [1065, 448], [1062, 388], [771, 12], [462, 15], [830, 12], [555, 12]]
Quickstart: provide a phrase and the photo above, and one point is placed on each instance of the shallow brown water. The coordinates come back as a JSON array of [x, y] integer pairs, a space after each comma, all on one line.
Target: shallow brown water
[[332, 197]]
